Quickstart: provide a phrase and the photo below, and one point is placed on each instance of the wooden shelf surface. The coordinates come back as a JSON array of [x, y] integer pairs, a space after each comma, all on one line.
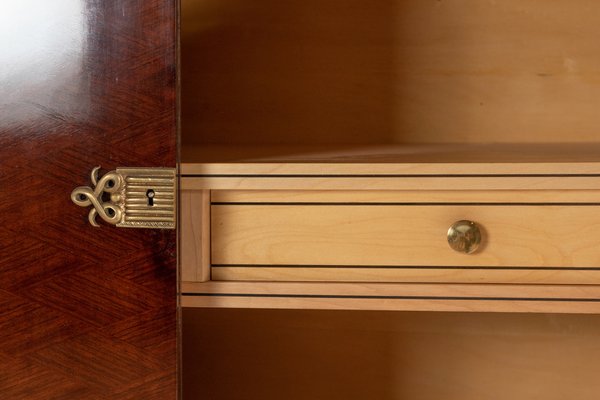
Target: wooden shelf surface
[[425, 159], [572, 299]]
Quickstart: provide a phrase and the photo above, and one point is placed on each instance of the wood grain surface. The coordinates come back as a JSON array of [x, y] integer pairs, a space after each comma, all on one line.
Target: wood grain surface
[[354, 355], [421, 196], [574, 299], [195, 235], [394, 159], [319, 273], [403, 235], [325, 71], [85, 313], [321, 178]]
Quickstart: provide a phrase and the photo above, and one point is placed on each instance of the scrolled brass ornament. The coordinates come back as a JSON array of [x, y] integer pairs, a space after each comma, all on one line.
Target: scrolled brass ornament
[[85, 196], [137, 197]]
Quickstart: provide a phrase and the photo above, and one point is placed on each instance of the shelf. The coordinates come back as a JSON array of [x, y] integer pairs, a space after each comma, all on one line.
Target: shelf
[[426, 159], [385, 296], [568, 166]]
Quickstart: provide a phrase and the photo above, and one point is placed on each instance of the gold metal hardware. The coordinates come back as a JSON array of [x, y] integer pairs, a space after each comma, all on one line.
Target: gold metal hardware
[[138, 197], [464, 236]]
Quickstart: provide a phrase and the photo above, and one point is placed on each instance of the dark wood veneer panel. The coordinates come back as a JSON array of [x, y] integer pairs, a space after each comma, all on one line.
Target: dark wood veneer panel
[[85, 313]]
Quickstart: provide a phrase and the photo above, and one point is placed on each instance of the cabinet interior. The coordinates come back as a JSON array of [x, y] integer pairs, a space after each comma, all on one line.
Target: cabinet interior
[[301, 354], [354, 80], [411, 81]]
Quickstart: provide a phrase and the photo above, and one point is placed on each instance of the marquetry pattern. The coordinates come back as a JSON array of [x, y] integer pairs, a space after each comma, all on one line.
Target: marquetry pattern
[[89, 313]]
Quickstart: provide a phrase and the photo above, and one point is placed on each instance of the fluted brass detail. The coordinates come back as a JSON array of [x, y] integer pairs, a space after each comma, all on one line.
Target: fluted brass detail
[[138, 197]]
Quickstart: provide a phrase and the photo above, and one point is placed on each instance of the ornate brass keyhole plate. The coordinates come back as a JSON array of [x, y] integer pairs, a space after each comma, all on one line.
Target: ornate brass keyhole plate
[[139, 197]]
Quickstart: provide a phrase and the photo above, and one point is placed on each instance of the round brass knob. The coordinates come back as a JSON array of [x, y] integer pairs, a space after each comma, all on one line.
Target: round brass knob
[[464, 236]]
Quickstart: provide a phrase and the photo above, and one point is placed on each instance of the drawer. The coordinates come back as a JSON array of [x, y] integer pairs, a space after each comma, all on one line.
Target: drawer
[[404, 242]]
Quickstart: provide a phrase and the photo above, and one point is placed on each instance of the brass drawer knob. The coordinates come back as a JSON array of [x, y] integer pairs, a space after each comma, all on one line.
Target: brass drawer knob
[[464, 236]]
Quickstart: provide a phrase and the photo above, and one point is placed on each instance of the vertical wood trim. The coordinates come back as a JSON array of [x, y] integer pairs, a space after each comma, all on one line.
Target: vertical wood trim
[[195, 236]]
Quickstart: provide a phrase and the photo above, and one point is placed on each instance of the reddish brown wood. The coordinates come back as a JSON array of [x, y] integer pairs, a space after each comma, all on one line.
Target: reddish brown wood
[[85, 313]]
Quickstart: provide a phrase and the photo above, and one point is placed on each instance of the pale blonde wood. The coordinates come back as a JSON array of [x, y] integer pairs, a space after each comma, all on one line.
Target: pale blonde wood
[[390, 183], [433, 275], [245, 168], [353, 355], [422, 167], [195, 235], [521, 158], [478, 291], [450, 297], [390, 196], [289, 303], [430, 297], [363, 235], [306, 72]]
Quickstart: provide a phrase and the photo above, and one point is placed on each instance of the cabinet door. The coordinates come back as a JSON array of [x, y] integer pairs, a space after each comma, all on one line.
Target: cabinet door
[[85, 313]]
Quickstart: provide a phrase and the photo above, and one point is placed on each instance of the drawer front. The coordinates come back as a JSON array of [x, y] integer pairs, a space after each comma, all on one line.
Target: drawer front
[[527, 243]]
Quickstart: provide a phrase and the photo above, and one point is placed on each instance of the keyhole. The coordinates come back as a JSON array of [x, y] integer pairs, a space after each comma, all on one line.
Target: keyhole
[[150, 195]]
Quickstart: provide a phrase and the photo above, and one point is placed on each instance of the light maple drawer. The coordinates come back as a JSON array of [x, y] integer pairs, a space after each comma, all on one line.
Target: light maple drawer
[[404, 242]]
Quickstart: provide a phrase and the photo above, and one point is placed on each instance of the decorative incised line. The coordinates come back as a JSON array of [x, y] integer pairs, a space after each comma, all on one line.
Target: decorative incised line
[[84, 196]]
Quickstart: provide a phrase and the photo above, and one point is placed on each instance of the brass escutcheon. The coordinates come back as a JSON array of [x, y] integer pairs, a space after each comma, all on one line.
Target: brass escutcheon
[[131, 197]]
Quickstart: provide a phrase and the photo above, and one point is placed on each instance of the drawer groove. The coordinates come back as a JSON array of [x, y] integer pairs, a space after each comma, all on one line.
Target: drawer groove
[[416, 274]]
